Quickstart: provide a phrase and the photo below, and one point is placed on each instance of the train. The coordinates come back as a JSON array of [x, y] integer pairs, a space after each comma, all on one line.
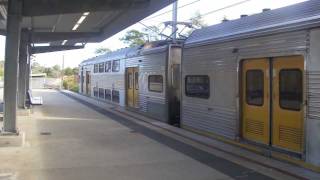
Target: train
[[253, 80], [144, 78]]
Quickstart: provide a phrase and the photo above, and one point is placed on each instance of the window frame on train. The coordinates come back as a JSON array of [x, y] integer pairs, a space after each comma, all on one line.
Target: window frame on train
[[149, 83], [282, 98], [261, 74], [116, 67], [95, 91], [203, 95], [108, 66], [108, 94], [115, 93], [101, 67], [101, 93], [95, 68]]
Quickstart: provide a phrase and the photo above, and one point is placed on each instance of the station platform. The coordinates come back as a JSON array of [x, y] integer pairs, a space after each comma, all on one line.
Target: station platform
[[74, 137]]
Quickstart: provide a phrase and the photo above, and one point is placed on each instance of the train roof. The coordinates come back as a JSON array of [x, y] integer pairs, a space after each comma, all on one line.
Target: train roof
[[295, 17], [118, 54], [147, 48]]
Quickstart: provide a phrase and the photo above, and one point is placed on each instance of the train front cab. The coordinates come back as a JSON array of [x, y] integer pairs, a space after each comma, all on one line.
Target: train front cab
[[272, 101]]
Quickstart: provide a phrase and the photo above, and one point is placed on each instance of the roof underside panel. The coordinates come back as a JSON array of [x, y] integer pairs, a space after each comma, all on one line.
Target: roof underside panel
[[65, 23], [271, 20], [105, 18], [97, 20]]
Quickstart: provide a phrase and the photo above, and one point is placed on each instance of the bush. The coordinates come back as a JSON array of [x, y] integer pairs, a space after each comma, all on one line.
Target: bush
[[70, 83]]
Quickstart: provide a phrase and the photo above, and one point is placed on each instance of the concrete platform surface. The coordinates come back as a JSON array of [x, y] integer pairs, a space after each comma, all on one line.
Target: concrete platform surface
[[68, 140]]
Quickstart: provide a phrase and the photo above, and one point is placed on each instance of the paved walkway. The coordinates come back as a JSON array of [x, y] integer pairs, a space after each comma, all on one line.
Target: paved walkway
[[68, 140]]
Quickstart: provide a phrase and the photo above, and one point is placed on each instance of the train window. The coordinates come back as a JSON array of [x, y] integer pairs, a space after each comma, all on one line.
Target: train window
[[290, 89], [155, 83], [107, 94], [197, 86], [116, 66], [115, 96], [101, 93], [136, 80], [101, 67], [130, 80], [254, 87], [96, 68], [108, 66], [95, 92]]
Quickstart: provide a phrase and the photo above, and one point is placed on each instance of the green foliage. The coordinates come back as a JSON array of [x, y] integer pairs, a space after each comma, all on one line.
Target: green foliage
[[152, 33], [67, 71], [52, 72], [70, 83], [197, 22], [70, 71], [102, 50], [37, 68], [134, 38], [56, 68], [1, 69]]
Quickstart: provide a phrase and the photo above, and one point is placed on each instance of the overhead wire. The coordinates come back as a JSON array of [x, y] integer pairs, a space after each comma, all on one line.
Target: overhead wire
[[223, 8], [148, 27], [205, 14], [188, 4]]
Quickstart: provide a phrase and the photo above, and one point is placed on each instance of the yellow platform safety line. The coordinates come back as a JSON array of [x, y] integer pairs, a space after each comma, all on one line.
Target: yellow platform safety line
[[275, 155]]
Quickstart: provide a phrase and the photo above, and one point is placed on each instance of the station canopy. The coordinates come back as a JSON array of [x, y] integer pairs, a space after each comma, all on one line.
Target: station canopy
[[68, 23]]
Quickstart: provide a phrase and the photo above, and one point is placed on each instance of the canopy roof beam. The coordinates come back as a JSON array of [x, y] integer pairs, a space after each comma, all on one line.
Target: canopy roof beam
[[50, 7], [46, 49]]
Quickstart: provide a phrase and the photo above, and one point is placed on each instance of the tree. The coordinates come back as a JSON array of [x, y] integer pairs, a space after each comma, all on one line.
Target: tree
[[75, 71], [49, 72], [56, 68], [37, 68], [152, 33], [197, 22], [134, 38], [102, 50], [68, 72], [1, 69]]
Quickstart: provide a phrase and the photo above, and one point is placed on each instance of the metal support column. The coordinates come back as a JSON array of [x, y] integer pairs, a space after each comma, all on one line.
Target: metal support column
[[174, 20], [11, 64], [28, 68], [23, 58]]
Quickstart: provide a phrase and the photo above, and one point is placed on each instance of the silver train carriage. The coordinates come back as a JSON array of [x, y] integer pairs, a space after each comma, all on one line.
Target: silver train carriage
[[145, 79], [257, 79]]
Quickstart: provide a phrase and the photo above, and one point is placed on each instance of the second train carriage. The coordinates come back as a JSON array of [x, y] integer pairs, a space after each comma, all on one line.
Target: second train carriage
[[146, 79], [103, 77], [257, 79]]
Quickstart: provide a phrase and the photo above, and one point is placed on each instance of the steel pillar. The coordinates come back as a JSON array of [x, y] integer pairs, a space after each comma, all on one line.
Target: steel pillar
[[174, 20], [11, 64], [28, 67], [23, 74], [28, 71]]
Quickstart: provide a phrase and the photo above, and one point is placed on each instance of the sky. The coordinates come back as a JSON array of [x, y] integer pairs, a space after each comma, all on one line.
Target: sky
[[74, 57]]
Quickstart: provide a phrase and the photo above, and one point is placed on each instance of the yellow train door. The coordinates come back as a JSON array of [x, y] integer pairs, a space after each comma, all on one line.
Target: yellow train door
[[255, 99], [136, 87], [287, 103], [130, 88], [88, 83], [132, 78]]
